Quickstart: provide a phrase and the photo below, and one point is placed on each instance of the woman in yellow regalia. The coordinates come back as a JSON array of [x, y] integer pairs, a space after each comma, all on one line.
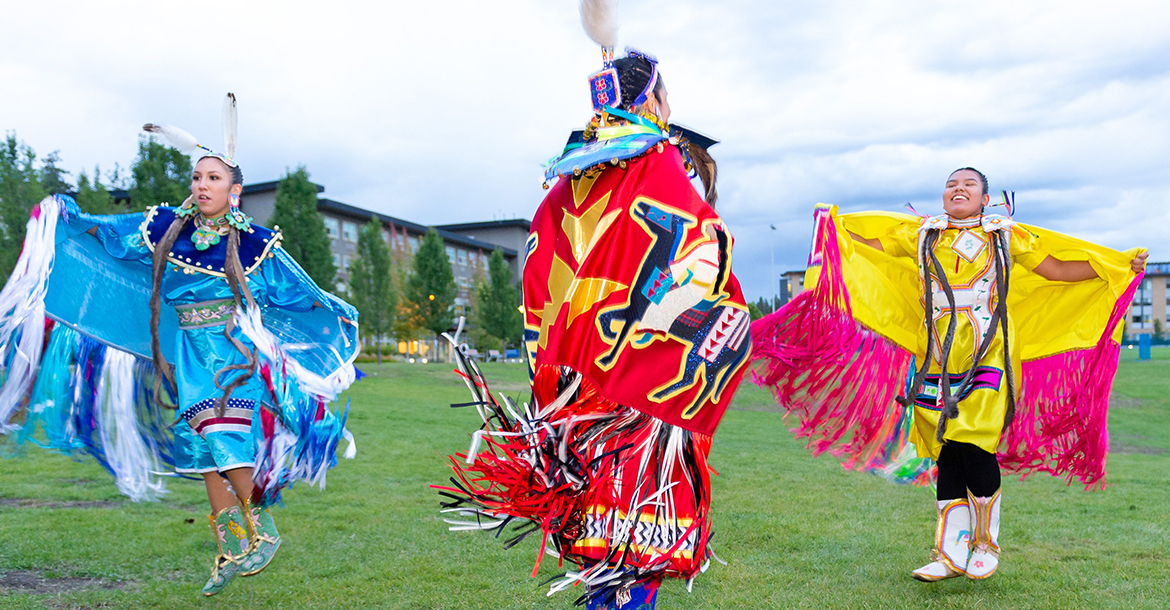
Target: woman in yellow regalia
[[938, 301]]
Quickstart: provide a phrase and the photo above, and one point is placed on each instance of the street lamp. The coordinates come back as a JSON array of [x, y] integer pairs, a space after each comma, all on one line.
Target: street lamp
[[774, 284]]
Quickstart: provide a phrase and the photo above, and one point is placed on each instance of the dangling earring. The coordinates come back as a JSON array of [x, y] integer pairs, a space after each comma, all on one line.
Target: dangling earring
[[235, 216]]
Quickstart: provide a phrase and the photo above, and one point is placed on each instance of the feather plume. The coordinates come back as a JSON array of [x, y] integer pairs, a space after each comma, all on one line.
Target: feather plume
[[599, 18], [229, 125], [178, 138]]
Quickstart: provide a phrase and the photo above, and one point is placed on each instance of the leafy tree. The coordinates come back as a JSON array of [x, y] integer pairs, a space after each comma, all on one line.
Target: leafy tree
[[1159, 329], [764, 307], [20, 190], [305, 238], [754, 311], [405, 325], [160, 174], [430, 291], [117, 179], [371, 284], [93, 198], [53, 178], [496, 302]]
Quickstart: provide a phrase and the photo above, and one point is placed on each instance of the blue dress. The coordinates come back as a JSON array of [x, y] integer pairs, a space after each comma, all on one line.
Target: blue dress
[[95, 291]]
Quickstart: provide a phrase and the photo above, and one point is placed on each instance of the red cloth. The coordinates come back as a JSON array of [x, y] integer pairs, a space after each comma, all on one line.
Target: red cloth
[[628, 281]]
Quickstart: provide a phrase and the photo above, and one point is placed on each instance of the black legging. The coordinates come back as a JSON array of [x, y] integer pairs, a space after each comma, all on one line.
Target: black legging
[[963, 466]]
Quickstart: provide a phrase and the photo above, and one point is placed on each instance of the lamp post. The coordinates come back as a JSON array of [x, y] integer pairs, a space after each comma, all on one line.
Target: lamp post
[[772, 304]]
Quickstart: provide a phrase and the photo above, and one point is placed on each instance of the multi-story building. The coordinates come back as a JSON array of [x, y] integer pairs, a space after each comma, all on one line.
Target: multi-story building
[[468, 245], [1148, 312]]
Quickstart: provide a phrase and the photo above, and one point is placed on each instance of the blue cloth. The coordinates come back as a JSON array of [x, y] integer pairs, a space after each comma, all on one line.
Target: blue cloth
[[216, 444], [600, 151], [642, 597], [101, 286]]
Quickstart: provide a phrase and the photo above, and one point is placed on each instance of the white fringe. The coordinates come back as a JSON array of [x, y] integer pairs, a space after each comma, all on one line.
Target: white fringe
[[22, 308], [132, 461], [328, 388]]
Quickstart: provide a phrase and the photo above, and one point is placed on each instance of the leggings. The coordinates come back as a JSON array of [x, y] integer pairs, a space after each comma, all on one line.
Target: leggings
[[963, 466]]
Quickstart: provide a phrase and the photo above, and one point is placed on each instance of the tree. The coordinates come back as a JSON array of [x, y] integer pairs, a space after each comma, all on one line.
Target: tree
[[496, 303], [371, 285], [430, 291], [1159, 329], [160, 174], [20, 190], [93, 198], [54, 180], [404, 326], [305, 238], [764, 306]]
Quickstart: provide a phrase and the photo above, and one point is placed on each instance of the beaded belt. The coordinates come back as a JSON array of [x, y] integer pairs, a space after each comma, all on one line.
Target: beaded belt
[[205, 313]]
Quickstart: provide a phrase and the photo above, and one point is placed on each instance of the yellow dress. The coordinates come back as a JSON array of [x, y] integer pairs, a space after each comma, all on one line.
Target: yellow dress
[[838, 355], [965, 255]]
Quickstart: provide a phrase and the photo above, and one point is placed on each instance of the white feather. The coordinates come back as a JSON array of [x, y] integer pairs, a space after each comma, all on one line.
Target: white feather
[[229, 125], [178, 138], [599, 18]]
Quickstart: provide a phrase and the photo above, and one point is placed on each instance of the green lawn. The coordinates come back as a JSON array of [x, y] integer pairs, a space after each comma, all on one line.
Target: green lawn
[[797, 532]]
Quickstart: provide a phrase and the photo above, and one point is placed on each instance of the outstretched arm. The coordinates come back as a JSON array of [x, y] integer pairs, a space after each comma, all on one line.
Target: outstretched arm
[[1078, 271], [872, 243]]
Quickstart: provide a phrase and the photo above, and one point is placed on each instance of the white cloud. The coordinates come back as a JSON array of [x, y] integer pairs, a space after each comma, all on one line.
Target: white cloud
[[440, 112]]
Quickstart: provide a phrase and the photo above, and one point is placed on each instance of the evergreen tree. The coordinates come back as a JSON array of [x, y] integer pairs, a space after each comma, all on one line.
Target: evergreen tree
[[160, 174], [295, 212], [764, 306], [93, 198], [430, 292], [20, 190], [496, 303], [54, 180], [371, 284], [404, 326]]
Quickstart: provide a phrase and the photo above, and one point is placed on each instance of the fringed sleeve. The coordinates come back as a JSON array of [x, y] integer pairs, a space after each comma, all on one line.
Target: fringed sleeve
[[1071, 336], [86, 396], [836, 362], [307, 341]]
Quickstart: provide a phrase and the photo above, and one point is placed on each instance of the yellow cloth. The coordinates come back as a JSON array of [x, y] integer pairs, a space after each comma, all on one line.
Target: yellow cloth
[[1052, 317]]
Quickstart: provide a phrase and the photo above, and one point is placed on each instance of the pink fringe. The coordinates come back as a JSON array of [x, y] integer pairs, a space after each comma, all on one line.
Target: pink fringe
[[1061, 423], [838, 377]]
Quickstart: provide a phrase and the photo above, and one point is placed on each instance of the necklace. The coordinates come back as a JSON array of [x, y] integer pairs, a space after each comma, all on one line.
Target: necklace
[[208, 231]]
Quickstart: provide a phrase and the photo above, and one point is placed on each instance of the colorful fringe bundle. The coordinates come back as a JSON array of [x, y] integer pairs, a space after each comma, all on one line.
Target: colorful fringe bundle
[[622, 494], [298, 435], [90, 399], [837, 376]]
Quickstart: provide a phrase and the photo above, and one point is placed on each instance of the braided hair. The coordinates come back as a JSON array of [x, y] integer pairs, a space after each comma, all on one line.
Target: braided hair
[[237, 282]]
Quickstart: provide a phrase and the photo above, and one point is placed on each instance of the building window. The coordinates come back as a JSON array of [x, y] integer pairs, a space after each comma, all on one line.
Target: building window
[[344, 263], [389, 239], [463, 257], [451, 254], [413, 245], [332, 227], [349, 231], [336, 261]]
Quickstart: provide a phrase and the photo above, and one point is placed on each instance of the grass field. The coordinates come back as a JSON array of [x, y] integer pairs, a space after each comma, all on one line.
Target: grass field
[[797, 532]]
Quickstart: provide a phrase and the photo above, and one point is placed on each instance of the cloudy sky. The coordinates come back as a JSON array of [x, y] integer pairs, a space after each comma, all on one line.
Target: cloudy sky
[[444, 111]]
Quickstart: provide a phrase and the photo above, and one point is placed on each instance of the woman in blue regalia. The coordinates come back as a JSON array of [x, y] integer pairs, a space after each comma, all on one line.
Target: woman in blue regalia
[[228, 306]]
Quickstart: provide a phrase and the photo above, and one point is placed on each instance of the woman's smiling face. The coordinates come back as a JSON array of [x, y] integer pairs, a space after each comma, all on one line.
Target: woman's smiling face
[[964, 196]]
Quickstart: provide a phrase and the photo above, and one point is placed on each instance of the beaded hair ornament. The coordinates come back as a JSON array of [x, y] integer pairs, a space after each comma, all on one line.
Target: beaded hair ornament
[[186, 143], [599, 18]]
